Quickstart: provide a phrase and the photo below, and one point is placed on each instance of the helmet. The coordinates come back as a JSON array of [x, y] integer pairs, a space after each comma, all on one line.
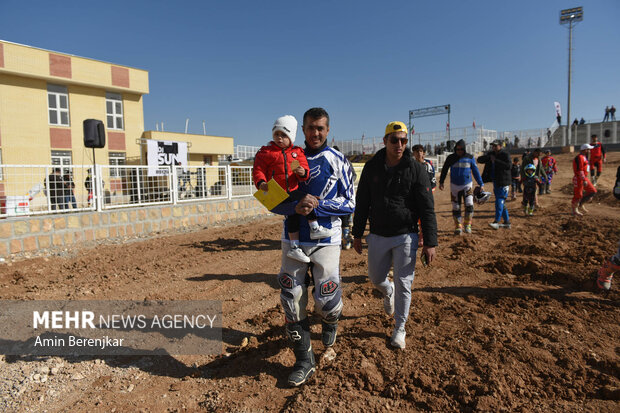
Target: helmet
[[529, 169], [481, 196]]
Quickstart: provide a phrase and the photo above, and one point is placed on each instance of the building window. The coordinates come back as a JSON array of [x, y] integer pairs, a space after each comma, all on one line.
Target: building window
[[114, 110], [62, 159], [58, 105], [117, 158]]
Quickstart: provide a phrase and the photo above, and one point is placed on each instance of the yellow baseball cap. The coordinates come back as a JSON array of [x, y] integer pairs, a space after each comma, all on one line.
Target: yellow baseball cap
[[395, 127]]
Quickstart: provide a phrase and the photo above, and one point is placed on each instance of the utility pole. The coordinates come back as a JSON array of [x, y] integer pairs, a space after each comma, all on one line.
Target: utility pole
[[569, 16]]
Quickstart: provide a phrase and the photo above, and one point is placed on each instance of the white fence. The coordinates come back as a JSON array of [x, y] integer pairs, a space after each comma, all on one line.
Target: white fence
[[51, 189]]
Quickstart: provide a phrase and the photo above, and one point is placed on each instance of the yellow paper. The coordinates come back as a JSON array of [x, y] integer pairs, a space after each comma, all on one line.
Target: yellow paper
[[273, 197]]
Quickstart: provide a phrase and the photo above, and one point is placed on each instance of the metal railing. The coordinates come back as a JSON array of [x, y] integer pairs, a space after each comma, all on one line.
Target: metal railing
[[38, 189], [43, 189]]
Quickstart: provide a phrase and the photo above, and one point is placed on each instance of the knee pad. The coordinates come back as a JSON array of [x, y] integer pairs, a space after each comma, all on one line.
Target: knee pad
[[294, 298], [469, 209], [328, 300]]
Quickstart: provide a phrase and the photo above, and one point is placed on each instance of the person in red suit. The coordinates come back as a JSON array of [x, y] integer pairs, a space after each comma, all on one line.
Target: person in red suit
[[581, 167], [287, 165], [596, 159]]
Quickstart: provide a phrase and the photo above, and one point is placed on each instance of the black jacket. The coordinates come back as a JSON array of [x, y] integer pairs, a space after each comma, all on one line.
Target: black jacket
[[503, 165], [394, 199]]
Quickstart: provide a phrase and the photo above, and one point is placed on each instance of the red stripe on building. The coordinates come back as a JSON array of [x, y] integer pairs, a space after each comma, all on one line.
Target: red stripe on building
[[116, 141], [60, 138], [1, 55], [120, 76], [60, 66]]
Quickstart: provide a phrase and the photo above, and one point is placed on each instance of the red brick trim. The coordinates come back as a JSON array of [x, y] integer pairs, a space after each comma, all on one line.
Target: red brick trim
[[60, 138], [120, 76], [116, 141], [60, 65]]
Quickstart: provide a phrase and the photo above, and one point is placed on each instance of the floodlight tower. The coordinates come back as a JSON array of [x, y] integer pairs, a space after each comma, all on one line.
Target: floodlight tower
[[568, 16]]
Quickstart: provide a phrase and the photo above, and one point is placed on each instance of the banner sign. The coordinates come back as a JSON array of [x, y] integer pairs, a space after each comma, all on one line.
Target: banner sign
[[80, 327], [558, 109], [165, 153]]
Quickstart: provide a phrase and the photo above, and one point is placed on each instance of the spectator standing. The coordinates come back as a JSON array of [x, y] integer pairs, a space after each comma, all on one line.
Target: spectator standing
[[418, 155], [606, 117], [393, 192], [525, 154], [69, 191], [55, 188], [612, 112], [515, 174], [497, 170], [582, 121], [88, 184]]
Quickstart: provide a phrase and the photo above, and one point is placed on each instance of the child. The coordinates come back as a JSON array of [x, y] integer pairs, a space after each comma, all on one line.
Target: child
[[551, 168], [288, 165], [515, 173], [530, 184]]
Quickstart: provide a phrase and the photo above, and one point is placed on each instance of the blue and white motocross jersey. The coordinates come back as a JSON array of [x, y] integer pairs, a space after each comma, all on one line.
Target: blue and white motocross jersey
[[331, 181]]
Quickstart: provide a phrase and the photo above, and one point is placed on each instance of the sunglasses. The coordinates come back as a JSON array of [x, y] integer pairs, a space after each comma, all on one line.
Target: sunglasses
[[394, 140]]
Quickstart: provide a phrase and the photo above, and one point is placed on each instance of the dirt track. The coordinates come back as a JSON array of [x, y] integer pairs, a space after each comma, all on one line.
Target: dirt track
[[503, 321]]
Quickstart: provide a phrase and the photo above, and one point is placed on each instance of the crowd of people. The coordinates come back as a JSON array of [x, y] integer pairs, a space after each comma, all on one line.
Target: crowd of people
[[395, 197], [610, 113], [60, 190]]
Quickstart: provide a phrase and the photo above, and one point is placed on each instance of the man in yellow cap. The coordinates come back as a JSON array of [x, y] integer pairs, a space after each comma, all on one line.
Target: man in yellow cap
[[393, 193]]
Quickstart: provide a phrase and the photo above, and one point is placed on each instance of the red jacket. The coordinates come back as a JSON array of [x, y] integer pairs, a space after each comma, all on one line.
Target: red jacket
[[597, 153], [581, 167], [271, 161]]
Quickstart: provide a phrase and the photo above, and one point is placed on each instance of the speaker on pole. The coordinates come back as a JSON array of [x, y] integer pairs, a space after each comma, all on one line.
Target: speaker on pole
[[94, 133]]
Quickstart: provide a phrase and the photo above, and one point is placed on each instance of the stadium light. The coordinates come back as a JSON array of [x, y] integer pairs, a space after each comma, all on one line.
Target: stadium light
[[568, 16]]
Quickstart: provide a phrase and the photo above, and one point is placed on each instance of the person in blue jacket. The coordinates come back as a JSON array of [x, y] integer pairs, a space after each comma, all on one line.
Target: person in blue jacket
[[462, 166], [329, 190]]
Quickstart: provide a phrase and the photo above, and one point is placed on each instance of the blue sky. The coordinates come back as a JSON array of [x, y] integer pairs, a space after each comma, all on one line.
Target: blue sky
[[238, 65]]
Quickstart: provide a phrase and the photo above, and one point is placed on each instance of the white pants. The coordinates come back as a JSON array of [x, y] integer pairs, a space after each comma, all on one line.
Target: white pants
[[294, 282]]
